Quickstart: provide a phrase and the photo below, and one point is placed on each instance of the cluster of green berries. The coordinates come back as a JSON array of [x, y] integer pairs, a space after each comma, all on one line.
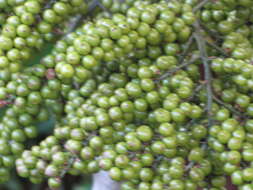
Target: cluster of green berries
[[121, 96]]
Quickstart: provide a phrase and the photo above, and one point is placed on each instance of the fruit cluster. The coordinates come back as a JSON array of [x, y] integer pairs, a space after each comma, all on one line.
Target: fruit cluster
[[157, 93]]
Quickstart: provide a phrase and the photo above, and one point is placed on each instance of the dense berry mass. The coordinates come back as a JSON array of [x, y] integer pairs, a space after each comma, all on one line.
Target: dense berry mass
[[156, 93]]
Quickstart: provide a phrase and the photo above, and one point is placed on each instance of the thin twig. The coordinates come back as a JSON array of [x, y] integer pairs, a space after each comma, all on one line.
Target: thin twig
[[196, 90], [66, 169], [193, 121], [49, 4], [212, 33], [190, 123], [230, 108], [92, 6], [208, 75], [189, 166], [220, 50], [77, 19], [204, 145], [74, 23], [183, 65], [200, 5], [181, 60], [186, 49], [104, 9]]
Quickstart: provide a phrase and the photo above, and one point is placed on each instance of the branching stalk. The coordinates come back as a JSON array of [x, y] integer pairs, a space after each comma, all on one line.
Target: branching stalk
[[201, 43], [208, 75]]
